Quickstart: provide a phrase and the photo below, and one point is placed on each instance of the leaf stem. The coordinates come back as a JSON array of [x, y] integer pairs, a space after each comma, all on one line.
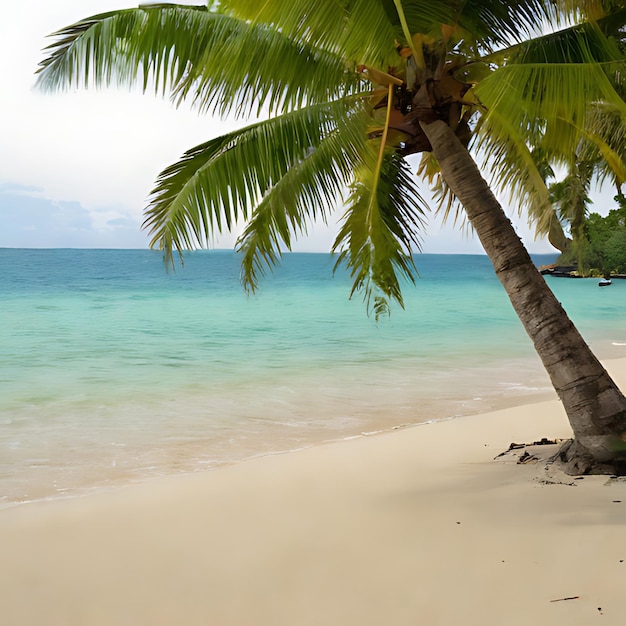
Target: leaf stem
[[383, 140], [419, 57]]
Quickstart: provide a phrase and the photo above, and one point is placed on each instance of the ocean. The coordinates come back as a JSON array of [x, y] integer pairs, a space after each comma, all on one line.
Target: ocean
[[114, 371]]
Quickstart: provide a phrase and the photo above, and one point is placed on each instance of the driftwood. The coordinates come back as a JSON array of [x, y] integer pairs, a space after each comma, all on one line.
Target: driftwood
[[544, 441]]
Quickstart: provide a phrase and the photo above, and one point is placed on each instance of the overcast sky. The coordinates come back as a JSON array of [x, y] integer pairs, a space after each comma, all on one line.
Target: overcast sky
[[76, 168]]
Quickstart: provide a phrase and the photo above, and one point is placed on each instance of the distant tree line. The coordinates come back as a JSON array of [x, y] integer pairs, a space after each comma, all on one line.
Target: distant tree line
[[600, 250]]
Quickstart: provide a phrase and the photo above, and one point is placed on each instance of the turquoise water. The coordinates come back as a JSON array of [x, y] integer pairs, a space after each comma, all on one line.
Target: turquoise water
[[112, 370]]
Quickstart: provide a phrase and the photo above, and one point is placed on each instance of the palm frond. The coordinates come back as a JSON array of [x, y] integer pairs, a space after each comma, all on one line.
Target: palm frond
[[541, 99], [580, 10], [605, 143], [611, 162], [513, 168], [447, 206], [587, 42], [215, 184], [570, 197], [309, 190], [358, 30], [417, 17], [361, 29], [548, 103], [598, 41], [380, 230], [554, 78], [612, 23], [494, 24], [216, 61]]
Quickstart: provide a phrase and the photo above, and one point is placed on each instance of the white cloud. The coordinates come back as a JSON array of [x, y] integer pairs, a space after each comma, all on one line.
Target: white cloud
[[102, 150], [30, 220]]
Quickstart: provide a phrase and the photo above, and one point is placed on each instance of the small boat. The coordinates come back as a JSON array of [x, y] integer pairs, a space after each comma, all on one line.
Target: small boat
[[605, 282]]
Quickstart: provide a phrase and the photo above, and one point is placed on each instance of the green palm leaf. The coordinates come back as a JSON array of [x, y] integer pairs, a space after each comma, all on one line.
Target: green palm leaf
[[541, 99], [309, 190], [381, 228], [216, 61], [492, 23], [360, 30], [605, 144], [216, 183]]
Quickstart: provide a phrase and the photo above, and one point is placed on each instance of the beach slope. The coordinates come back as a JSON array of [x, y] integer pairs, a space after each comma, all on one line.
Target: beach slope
[[419, 526]]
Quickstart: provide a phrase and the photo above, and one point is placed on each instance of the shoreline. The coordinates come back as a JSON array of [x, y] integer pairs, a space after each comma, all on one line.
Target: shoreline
[[374, 424], [410, 526]]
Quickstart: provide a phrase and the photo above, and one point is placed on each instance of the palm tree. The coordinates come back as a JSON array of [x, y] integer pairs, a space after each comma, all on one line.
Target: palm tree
[[600, 157], [570, 199], [349, 89]]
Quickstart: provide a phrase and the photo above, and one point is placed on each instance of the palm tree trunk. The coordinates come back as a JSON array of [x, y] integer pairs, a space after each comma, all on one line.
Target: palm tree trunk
[[596, 408]]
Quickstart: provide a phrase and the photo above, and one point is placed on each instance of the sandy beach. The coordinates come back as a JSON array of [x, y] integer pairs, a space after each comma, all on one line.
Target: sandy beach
[[419, 526]]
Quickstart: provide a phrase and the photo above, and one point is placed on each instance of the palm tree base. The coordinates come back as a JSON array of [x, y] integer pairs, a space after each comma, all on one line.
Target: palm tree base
[[575, 460]]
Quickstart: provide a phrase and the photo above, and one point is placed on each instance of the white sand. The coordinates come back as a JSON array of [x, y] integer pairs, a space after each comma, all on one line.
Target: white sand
[[415, 527]]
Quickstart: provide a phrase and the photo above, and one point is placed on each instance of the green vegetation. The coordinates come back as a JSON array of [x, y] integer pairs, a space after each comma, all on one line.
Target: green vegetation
[[601, 248]]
